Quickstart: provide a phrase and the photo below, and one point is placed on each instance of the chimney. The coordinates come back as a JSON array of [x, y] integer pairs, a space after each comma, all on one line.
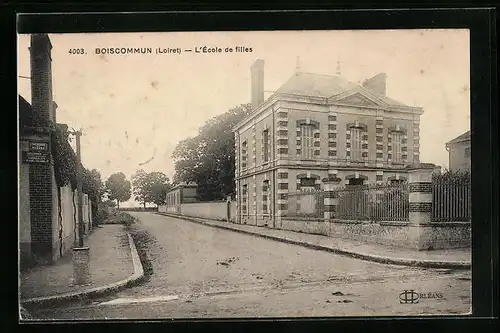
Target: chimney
[[377, 83], [41, 77], [54, 111], [257, 78]]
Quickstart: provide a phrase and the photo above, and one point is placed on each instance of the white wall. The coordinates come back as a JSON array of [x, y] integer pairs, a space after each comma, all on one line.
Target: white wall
[[209, 210]]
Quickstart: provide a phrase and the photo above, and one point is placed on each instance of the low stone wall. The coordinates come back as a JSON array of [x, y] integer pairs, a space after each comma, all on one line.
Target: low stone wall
[[447, 235], [386, 233], [434, 236], [309, 226]]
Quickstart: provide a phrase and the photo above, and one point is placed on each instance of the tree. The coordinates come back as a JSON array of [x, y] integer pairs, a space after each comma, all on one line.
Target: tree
[[208, 159], [158, 184], [118, 188], [139, 186], [92, 185], [150, 187]]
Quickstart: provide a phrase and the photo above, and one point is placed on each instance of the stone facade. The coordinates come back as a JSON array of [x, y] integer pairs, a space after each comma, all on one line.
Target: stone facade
[[459, 150], [315, 127]]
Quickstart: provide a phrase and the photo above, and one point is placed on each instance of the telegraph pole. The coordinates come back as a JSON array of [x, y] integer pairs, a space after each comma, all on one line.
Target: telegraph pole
[[79, 187], [81, 254]]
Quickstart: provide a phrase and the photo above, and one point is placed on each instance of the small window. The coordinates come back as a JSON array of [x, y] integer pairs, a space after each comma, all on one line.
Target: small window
[[467, 152]]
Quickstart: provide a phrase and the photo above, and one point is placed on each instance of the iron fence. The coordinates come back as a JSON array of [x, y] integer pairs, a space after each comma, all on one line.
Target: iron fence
[[363, 202], [451, 200], [374, 203], [307, 204]]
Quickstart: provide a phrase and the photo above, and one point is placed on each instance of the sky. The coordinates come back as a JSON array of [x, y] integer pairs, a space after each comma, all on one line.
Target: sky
[[135, 108]]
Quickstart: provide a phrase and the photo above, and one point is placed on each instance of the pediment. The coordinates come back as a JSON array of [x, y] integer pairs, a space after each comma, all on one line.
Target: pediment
[[357, 99]]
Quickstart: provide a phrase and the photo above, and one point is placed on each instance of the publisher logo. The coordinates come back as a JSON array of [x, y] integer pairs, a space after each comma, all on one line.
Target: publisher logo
[[410, 296]]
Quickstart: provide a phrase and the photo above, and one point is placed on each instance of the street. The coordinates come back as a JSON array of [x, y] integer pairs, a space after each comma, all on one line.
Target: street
[[197, 271]]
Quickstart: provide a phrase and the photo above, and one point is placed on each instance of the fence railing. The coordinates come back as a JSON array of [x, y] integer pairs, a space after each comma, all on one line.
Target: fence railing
[[363, 202], [451, 200], [307, 204], [374, 203]]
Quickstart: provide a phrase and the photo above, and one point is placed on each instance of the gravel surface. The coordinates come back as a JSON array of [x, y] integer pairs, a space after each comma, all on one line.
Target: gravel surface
[[219, 273]]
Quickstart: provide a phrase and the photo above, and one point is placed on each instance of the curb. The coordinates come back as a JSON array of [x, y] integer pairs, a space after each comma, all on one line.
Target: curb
[[352, 254], [97, 291]]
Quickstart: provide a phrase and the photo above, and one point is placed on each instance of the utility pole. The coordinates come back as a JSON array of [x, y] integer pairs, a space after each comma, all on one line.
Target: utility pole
[[81, 254]]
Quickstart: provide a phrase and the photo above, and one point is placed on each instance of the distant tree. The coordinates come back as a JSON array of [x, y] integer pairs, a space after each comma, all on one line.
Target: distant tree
[[93, 186], [118, 188], [208, 159], [139, 185], [158, 184], [150, 187]]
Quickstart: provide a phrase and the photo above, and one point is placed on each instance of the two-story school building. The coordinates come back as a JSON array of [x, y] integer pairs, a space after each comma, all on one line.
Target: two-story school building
[[314, 127]]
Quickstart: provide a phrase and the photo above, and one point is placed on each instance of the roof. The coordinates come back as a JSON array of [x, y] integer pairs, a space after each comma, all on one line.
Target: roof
[[462, 137], [25, 113], [321, 85]]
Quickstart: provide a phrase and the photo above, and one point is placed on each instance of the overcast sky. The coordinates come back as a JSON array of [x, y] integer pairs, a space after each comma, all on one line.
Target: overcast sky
[[136, 107]]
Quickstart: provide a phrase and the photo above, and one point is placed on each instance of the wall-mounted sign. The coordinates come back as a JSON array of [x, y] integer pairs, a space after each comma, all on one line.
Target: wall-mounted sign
[[39, 146], [37, 152]]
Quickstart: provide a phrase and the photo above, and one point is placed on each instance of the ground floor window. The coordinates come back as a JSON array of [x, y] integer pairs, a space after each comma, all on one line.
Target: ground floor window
[[355, 181], [244, 199]]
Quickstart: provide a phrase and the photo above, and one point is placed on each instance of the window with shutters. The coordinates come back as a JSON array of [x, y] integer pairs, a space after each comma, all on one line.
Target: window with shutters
[[244, 199], [306, 138], [356, 148], [244, 155], [265, 197], [396, 146], [265, 136]]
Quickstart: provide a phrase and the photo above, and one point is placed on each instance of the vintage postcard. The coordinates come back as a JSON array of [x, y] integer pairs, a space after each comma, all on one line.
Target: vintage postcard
[[244, 174]]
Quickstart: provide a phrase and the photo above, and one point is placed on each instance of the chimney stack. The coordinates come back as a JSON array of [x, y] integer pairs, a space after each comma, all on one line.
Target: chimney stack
[[257, 79], [377, 83], [41, 77], [54, 111]]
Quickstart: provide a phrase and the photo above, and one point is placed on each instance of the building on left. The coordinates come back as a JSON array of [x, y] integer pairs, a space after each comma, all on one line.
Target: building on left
[[47, 213]]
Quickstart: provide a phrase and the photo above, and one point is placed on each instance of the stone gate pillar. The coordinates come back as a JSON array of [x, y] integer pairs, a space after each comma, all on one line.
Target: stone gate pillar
[[420, 201], [331, 198]]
